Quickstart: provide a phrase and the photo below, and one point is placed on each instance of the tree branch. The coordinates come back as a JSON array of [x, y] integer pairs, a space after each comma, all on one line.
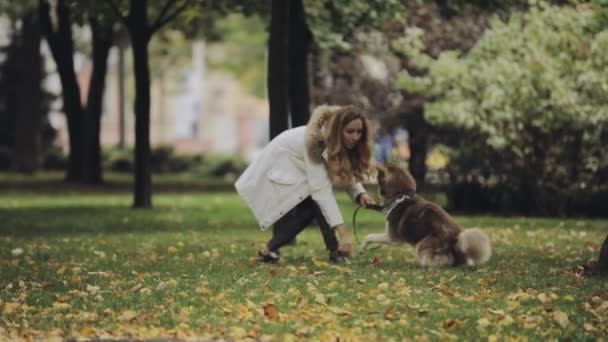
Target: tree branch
[[45, 19], [164, 19], [114, 7], [163, 12]]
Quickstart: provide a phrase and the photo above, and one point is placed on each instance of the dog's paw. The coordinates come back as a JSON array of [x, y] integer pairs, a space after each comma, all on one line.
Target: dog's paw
[[363, 246]]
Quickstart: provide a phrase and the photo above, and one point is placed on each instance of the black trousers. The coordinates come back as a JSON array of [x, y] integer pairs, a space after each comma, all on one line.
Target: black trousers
[[295, 220]]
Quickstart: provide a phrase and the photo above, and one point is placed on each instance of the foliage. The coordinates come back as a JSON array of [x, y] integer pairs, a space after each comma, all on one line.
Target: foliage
[[164, 160], [84, 265], [242, 50], [529, 103], [334, 22]]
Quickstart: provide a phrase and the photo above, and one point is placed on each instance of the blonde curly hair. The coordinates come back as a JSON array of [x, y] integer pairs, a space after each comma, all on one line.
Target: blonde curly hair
[[346, 166]]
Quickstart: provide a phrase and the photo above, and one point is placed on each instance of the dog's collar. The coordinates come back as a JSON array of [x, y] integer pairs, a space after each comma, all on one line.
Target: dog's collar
[[395, 203]]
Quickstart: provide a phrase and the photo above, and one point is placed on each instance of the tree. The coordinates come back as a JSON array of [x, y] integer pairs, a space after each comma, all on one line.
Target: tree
[[278, 67], [25, 133], [29, 118], [62, 48], [103, 35], [141, 31], [84, 161]]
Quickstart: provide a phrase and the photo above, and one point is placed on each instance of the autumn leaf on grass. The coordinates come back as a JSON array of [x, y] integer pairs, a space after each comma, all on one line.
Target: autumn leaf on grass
[[127, 315], [271, 311], [88, 332], [320, 263], [561, 318], [389, 313], [451, 324]]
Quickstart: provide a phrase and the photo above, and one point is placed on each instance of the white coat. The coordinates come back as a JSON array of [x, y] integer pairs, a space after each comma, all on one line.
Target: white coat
[[288, 170]]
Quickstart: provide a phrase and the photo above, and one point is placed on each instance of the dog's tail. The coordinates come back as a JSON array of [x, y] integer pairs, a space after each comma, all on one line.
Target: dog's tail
[[475, 246]]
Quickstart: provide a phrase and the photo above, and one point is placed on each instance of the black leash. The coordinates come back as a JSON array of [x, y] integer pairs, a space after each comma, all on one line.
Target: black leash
[[375, 207]]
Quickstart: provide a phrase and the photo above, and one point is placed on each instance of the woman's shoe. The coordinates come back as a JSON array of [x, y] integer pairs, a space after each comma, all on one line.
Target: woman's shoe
[[271, 257]]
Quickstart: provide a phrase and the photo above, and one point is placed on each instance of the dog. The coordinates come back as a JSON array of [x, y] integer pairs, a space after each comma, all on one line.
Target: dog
[[409, 218]]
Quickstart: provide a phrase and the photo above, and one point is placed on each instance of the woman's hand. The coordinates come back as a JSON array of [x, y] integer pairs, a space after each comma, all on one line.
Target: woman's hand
[[364, 200], [346, 240]]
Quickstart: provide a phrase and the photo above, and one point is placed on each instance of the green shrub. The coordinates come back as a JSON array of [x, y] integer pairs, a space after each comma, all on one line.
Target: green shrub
[[529, 104], [229, 167], [55, 159]]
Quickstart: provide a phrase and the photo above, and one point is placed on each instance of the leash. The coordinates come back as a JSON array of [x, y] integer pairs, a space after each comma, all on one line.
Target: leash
[[375, 207]]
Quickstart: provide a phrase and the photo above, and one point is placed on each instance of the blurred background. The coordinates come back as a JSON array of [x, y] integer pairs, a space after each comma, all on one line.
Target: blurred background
[[494, 106]]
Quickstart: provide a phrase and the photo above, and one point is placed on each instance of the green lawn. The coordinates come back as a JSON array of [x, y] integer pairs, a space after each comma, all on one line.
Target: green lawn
[[86, 265]]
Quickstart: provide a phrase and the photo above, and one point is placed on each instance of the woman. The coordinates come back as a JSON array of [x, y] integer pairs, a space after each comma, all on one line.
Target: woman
[[290, 183]]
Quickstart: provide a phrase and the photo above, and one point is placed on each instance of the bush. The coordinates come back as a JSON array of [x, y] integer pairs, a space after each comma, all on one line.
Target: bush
[[229, 167], [117, 160], [528, 104], [55, 159]]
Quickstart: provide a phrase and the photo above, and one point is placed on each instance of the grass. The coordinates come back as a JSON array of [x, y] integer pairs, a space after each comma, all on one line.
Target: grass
[[85, 265]]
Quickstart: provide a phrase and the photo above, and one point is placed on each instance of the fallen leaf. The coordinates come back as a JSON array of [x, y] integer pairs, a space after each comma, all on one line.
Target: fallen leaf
[[561, 318], [127, 315], [453, 324], [389, 313], [271, 311]]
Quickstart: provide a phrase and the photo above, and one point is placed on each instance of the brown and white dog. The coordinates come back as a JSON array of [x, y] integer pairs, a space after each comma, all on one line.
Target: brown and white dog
[[439, 240]]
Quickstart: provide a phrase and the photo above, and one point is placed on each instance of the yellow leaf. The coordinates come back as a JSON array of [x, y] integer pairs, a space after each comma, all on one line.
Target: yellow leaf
[[513, 304], [320, 263], [76, 278], [92, 289], [190, 257], [483, 323], [320, 298], [127, 315], [561, 318], [238, 332], [589, 328], [11, 307], [61, 306], [172, 249], [507, 321], [88, 332], [293, 292], [61, 270], [383, 286], [497, 312]]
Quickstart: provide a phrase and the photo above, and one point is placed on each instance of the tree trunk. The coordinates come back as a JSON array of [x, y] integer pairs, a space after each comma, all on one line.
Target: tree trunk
[[278, 67], [300, 38], [27, 143], [140, 37], [418, 146], [601, 267], [121, 91], [62, 49], [102, 41]]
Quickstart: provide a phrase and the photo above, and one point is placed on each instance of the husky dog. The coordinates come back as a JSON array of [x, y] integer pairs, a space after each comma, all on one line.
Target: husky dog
[[439, 240]]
